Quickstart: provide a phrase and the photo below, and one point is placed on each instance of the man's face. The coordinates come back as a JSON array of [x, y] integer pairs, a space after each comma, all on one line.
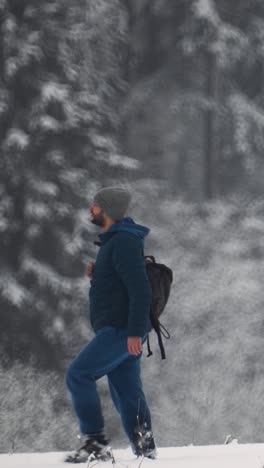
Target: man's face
[[97, 215]]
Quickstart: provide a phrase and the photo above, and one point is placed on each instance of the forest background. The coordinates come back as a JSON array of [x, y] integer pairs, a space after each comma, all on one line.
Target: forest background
[[165, 98]]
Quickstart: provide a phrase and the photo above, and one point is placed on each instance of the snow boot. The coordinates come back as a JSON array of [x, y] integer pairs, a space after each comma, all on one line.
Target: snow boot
[[94, 448], [143, 443]]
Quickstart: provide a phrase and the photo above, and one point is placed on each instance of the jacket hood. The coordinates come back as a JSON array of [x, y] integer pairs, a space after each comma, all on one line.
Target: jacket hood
[[125, 224]]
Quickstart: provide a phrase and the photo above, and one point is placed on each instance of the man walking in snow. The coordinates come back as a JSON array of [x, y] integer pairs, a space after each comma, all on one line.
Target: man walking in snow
[[120, 298]]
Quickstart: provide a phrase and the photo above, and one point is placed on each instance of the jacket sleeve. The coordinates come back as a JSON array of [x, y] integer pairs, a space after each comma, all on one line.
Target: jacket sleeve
[[129, 263]]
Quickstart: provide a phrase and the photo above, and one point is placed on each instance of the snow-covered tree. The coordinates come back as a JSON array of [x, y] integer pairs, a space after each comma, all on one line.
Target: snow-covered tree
[[194, 112], [58, 137]]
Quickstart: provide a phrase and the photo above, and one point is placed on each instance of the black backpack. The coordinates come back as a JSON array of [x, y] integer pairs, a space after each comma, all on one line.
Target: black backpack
[[160, 277]]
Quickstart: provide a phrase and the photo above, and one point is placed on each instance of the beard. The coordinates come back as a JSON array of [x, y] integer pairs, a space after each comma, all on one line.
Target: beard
[[98, 220]]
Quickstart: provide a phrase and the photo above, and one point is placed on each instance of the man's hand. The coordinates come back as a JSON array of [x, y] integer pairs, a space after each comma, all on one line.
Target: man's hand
[[134, 345], [90, 268]]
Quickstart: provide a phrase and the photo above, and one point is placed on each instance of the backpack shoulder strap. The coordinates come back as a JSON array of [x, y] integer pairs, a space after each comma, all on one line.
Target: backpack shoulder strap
[[161, 330], [162, 350], [149, 350]]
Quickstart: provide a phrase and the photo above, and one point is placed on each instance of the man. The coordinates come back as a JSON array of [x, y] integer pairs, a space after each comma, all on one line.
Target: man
[[120, 298]]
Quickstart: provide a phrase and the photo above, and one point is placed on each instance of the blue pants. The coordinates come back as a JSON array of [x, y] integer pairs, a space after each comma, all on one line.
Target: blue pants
[[107, 354]]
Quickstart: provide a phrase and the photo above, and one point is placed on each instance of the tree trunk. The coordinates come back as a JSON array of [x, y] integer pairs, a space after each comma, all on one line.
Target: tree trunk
[[210, 124]]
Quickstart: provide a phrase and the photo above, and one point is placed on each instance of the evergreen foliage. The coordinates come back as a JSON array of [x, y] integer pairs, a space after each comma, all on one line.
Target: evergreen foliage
[[196, 96], [58, 134]]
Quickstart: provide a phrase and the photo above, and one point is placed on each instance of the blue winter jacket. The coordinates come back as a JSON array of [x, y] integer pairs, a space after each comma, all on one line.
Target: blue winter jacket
[[120, 292]]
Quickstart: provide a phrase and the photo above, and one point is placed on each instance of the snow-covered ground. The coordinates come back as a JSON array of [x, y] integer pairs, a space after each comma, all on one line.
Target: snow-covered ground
[[217, 456]]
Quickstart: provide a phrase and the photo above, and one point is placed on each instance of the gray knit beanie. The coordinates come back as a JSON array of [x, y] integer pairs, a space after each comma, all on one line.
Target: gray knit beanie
[[114, 201]]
